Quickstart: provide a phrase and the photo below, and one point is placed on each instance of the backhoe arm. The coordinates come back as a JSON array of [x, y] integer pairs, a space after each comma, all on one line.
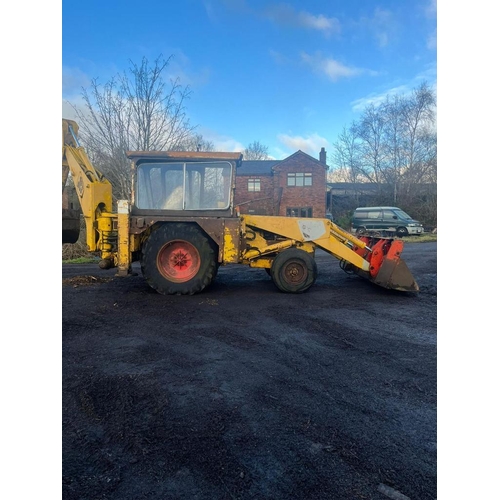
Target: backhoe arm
[[94, 193]]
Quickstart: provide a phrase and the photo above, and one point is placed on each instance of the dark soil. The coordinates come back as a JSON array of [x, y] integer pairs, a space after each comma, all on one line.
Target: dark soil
[[244, 392]]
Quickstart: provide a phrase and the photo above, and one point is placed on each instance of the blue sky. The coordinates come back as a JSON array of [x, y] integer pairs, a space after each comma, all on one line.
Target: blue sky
[[288, 74]]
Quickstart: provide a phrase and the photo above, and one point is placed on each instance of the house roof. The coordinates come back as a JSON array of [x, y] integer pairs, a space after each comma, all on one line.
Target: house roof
[[256, 167], [309, 157], [265, 167]]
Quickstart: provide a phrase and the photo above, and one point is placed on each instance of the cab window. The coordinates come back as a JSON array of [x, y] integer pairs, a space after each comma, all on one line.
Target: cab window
[[183, 186]]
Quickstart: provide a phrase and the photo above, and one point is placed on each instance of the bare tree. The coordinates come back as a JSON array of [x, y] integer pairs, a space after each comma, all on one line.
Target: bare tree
[[393, 135], [134, 111], [394, 145], [194, 143], [418, 115], [370, 130], [256, 151], [346, 155]]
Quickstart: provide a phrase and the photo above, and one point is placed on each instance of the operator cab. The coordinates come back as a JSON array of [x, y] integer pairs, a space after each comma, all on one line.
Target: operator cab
[[184, 183]]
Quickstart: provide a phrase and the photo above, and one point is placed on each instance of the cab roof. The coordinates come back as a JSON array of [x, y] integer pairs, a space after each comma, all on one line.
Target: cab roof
[[183, 155]]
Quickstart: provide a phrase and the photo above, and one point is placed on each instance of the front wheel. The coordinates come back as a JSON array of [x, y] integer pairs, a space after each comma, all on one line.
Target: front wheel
[[178, 259], [294, 270], [401, 231]]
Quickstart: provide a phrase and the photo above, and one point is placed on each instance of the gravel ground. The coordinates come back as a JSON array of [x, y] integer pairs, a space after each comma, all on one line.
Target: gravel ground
[[244, 392]]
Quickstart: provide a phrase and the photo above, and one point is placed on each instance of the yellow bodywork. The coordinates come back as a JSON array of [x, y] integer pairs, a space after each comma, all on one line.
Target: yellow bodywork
[[94, 193], [305, 233], [231, 244]]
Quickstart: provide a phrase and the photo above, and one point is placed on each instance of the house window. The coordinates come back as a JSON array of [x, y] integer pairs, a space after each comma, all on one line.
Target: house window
[[299, 212], [254, 185], [299, 179]]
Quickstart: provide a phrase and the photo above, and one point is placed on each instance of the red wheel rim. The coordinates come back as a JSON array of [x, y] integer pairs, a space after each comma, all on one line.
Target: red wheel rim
[[178, 261]]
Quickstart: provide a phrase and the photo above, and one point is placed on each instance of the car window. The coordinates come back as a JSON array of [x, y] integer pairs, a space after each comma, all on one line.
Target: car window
[[402, 215]]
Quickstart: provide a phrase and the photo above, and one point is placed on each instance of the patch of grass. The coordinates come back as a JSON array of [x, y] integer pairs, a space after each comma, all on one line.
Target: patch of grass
[[424, 238], [81, 260]]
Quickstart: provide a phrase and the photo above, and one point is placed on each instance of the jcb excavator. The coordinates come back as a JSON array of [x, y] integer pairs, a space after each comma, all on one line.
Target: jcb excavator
[[181, 225]]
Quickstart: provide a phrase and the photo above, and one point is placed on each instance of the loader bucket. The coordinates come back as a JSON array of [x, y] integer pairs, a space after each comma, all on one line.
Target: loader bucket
[[394, 274], [387, 268]]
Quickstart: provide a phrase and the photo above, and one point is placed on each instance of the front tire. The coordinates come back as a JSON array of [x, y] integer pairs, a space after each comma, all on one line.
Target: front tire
[[401, 232], [294, 271], [178, 259]]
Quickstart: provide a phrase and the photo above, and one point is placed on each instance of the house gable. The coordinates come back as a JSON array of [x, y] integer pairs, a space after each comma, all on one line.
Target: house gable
[[295, 185], [299, 159]]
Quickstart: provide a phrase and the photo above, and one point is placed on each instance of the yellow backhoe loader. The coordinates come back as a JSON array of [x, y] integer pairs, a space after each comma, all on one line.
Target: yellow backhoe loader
[[181, 225]]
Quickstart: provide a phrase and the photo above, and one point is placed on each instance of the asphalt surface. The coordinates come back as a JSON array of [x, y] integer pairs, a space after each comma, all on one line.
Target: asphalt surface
[[244, 392]]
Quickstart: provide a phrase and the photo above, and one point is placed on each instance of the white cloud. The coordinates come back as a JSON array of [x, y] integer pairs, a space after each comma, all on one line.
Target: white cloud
[[431, 9], [221, 142], [310, 144], [73, 79], [67, 111], [405, 89], [229, 144], [327, 25], [209, 9], [376, 99], [381, 25], [286, 14], [333, 69]]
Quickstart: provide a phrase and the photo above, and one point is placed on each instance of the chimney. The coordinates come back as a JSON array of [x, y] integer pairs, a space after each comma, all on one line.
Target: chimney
[[322, 156]]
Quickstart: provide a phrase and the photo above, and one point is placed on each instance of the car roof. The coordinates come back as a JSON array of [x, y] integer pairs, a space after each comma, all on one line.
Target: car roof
[[378, 208]]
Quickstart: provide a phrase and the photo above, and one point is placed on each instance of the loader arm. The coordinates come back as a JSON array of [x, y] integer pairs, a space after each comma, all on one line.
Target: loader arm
[[94, 193], [376, 259]]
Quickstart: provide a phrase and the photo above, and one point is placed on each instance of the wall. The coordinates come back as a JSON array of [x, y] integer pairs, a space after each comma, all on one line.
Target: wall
[[258, 202], [302, 196]]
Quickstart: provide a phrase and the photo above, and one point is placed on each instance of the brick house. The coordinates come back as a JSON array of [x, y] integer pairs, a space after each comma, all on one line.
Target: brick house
[[293, 187]]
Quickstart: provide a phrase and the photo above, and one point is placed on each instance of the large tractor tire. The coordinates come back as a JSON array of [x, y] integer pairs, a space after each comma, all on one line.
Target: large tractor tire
[[294, 271], [179, 259]]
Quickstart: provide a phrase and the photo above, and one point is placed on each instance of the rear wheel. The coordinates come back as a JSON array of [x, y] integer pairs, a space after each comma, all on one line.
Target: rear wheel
[[294, 271], [178, 259], [360, 231]]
